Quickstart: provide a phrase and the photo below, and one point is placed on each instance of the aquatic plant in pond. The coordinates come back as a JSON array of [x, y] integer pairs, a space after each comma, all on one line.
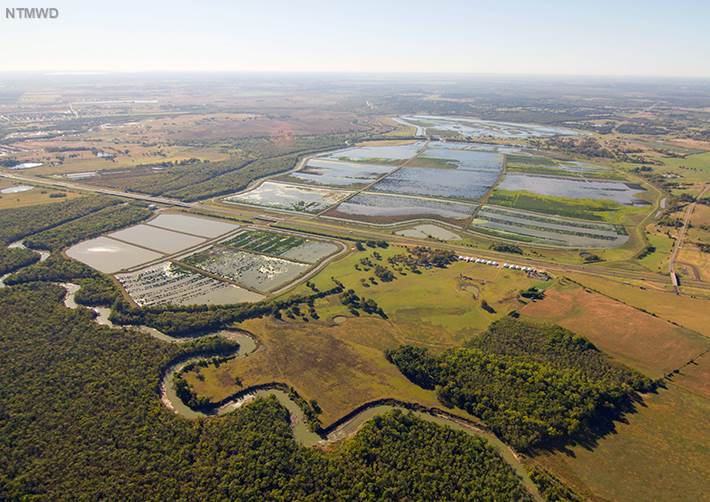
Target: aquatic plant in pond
[[338, 173], [532, 227], [371, 153], [465, 159], [383, 207], [434, 182], [283, 245], [253, 271], [170, 284]]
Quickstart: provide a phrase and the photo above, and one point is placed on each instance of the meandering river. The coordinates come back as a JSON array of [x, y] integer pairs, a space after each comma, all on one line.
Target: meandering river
[[301, 430], [43, 255]]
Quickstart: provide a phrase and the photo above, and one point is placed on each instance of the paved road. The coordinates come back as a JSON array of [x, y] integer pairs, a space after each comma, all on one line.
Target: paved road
[[88, 188]]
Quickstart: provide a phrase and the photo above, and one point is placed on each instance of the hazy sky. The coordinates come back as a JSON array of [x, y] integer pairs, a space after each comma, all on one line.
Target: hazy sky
[[600, 37]]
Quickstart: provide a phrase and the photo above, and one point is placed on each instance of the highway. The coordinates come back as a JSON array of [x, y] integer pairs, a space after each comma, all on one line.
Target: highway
[[88, 188]]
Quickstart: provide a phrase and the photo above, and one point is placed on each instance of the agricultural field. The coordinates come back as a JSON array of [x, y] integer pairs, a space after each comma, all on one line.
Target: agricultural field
[[284, 197], [657, 453], [693, 263], [255, 272], [169, 284], [650, 344], [15, 194], [535, 228], [387, 208], [684, 310], [667, 424]]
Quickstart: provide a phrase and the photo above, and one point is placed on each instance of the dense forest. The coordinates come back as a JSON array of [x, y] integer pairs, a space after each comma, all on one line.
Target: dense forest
[[16, 223], [56, 268], [87, 227], [533, 385], [80, 418], [15, 258]]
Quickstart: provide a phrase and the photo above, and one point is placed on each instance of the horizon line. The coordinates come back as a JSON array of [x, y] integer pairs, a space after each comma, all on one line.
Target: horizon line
[[86, 72]]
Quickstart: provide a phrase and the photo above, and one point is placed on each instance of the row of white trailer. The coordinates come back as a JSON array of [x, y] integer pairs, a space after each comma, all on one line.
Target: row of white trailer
[[512, 266]]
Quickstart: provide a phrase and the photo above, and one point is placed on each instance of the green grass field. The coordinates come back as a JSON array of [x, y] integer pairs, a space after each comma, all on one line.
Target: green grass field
[[658, 260], [339, 360], [439, 307]]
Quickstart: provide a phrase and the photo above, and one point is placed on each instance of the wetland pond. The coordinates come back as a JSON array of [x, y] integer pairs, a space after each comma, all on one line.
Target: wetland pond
[[618, 191]]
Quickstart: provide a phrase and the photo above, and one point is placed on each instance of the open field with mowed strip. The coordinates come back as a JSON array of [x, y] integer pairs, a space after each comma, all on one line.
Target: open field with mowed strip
[[647, 343], [683, 310]]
